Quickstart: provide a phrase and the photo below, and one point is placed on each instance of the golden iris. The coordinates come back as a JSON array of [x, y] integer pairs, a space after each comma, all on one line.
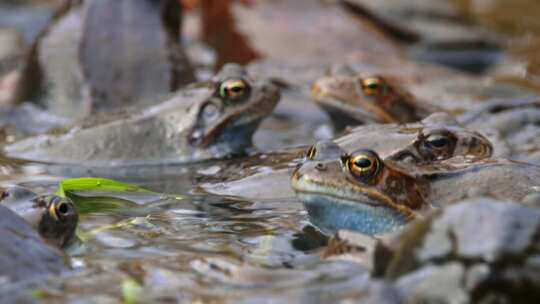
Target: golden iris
[[311, 153], [58, 210], [372, 86], [53, 212], [364, 165], [233, 89]]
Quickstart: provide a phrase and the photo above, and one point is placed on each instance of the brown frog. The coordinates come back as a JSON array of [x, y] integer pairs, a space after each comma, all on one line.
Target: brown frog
[[205, 120], [436, 138], [353, 98], [54, 217], [362, 192], [505, 113], [98, 56]]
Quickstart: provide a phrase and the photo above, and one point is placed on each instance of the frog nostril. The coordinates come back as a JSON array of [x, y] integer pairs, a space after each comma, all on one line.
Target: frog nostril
[[320, 167]]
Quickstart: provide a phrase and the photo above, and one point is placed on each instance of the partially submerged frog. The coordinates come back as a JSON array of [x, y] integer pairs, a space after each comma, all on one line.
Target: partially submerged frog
[[436, 138], [54, 217], [24, 255], [98, 56], [353, 98], [205, 120], [362, 192], [502, 111], [365, 99]]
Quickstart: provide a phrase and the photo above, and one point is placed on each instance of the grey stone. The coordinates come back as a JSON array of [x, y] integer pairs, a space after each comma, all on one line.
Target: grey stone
[[437, 243], [491, 230], [483, 229], [434, 284], [533, 199], [381, 292], [475, 275]]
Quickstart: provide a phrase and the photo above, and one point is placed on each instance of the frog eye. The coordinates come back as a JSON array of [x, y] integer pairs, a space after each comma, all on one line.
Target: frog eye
[[437, 141], [310, 155], [59, 210], [364, 165], [373, 86], [437, 146], [233, 89]]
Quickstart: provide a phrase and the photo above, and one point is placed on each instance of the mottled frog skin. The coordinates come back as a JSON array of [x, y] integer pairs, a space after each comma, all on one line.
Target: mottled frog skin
[[362, 192], [366, 99], [203, 121], [435, 138], [353, 98]]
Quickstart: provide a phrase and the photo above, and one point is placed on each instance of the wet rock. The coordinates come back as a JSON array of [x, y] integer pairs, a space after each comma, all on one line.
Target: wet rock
[[351, 246], [98, 56], [12, 49], [434, 284], [438, 31], [26, 119], [503, 231], [308, 29], [380, 292], [477, 251], [29, 20], [24, 255]]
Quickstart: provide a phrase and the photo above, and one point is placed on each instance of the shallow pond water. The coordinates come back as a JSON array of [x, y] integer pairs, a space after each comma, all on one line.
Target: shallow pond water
[[181, 244]]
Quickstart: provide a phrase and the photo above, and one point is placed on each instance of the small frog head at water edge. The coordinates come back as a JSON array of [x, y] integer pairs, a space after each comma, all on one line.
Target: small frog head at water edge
[[232, 114], [356, 100], [358, 191], [55, 218]]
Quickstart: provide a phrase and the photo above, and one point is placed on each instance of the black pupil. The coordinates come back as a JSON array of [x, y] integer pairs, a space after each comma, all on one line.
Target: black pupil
[[363, 163], [373, 86], [438, 142], [63, 208], [236, 89]]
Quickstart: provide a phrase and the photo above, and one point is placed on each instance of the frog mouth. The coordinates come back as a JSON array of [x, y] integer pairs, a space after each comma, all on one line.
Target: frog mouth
[[230, 131], [240, 124], [368, 212], [303, 184], [338, 112], [332, 213]]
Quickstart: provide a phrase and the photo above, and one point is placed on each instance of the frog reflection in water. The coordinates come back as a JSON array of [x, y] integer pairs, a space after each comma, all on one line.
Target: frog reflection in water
[[362, 192], [203, 121], [53, 217]]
